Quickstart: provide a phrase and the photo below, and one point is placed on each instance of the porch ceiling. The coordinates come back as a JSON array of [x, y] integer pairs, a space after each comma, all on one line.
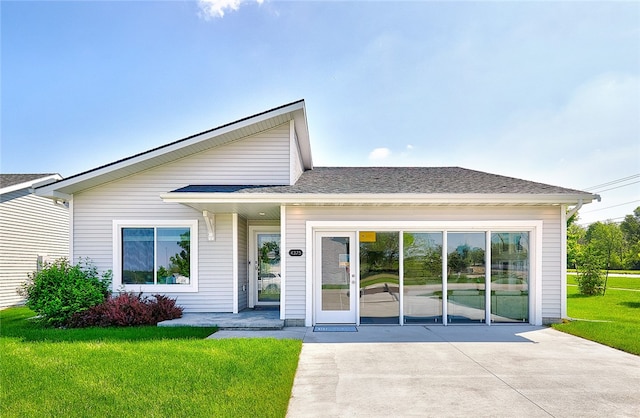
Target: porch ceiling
[[270, 211]]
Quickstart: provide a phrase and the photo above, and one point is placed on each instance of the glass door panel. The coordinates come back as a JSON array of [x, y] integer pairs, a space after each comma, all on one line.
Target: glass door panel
[[379, 278], [422, 286], [510, 277], [335, 280], [466, 277], [268, 267]]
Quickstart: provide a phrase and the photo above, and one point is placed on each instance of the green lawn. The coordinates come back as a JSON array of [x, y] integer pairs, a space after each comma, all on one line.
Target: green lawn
[[612, 319], [141, 371]]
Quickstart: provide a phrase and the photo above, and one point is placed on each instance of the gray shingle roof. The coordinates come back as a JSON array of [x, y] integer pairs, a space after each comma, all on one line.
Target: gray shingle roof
[[390, 180], [7, 180]]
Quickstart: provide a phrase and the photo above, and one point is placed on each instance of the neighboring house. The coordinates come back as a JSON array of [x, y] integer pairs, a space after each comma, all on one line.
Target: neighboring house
[[237, 217], [32, 229]]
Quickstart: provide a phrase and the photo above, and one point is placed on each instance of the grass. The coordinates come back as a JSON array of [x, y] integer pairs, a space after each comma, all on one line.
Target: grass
[[614, 282], [611, 271], [612, 319], [141, 371]]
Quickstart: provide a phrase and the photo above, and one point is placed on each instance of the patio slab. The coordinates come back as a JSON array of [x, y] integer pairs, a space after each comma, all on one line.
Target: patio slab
[[498, 371], [245, 320]]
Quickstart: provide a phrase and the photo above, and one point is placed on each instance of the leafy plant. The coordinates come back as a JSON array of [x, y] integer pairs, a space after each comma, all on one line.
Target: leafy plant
[[60, 290], [590, 278], [128, 309]]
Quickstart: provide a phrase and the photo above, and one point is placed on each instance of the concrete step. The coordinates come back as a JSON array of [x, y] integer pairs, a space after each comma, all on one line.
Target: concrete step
[[245, 320]]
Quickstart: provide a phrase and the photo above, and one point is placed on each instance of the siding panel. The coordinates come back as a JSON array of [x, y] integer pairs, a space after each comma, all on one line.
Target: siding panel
[[29, 226]]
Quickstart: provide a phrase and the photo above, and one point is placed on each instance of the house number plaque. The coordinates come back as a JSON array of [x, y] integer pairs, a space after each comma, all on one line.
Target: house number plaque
[[295, 253]]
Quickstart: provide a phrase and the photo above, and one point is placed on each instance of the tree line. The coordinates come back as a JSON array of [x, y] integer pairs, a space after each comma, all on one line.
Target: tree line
[[603, 246]]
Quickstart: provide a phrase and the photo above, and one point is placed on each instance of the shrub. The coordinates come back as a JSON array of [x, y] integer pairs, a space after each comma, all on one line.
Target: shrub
[[128, 309], [589, 279], [60, 290]]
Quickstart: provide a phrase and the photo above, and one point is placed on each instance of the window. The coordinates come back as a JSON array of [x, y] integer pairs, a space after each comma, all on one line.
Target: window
[[158, 256], [510, 277]]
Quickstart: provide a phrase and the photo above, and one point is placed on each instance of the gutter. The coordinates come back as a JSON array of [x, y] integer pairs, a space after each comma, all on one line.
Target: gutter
[[577, 207]]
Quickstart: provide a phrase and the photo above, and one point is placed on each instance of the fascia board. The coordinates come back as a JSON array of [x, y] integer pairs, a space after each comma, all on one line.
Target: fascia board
[[127, 166], [302, 131], [32, 183], [391, 199]]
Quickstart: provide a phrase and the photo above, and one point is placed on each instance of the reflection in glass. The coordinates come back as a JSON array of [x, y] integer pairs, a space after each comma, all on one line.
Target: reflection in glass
[[173, 255], [422, 277], [466, 277], [137, 255], [510, 277], [379, 278], [335, 274], [269, 268]]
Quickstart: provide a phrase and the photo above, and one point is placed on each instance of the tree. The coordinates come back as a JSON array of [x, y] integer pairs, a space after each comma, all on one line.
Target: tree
[[575, 242], [589, 279], [630, 228], [604, 244], [182, 260]]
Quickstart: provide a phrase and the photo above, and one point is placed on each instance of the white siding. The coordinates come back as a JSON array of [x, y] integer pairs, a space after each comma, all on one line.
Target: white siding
[[29, 226], [296, 238], [261, 159]]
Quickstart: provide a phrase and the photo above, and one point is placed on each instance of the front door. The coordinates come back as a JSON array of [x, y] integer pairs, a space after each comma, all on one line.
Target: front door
[[335, 278], [266, 280]]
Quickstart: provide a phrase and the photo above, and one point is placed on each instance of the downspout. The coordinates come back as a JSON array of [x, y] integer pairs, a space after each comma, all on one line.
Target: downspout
[[577, 207]]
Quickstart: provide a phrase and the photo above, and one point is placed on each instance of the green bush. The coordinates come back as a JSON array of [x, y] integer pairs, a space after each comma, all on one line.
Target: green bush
[[60, 290], [589, 278]]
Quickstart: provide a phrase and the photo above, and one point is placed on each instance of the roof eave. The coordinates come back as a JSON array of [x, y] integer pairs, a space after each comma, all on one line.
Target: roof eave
[[377, 199], [32, 183]]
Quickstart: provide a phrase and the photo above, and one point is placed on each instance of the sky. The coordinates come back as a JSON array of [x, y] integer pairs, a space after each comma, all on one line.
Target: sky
[[543, 91]]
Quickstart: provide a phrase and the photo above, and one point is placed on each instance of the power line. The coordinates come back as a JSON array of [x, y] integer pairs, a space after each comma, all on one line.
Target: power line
[[617, 220], [613, 182], [617, 187], [614, 206]]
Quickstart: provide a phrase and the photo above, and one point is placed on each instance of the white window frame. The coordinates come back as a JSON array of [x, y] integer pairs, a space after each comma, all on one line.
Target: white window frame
[[192, 287]]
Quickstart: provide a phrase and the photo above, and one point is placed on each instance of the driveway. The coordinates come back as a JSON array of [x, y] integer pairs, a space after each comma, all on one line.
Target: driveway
[[498, 371]]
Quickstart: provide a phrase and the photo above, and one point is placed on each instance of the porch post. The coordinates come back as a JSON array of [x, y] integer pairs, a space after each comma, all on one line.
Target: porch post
[[283, 262], [234, 259]]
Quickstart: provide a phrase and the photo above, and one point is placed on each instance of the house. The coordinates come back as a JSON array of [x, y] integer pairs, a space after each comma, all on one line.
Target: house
[[238, 217], [33, 229]]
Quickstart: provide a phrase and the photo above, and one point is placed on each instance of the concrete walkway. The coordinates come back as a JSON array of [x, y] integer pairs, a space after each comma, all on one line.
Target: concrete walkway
[[498, 371]]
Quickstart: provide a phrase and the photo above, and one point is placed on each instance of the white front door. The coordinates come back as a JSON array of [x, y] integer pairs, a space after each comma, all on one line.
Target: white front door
[[335, 278], [265, 259]]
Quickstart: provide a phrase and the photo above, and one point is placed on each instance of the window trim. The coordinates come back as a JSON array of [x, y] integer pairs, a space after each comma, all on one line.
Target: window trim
[[118, 224]]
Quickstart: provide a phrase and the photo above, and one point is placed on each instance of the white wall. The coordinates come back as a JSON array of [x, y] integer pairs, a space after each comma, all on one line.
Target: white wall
[[296, 231], [29, 226], [260, 159]]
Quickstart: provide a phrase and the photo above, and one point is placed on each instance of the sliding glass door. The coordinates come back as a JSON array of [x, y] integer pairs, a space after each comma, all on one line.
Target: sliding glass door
[[510, 277], [422, 268], [423, 277], [379, 277], [466, 289]]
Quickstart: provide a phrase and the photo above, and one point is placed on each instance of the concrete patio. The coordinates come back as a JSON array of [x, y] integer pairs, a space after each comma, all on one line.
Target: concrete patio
[[437, 371], [266, 319]]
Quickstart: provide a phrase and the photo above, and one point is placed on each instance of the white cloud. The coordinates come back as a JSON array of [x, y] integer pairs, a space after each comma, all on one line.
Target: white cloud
[[210, 9], [409, 147], [379, 154]]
